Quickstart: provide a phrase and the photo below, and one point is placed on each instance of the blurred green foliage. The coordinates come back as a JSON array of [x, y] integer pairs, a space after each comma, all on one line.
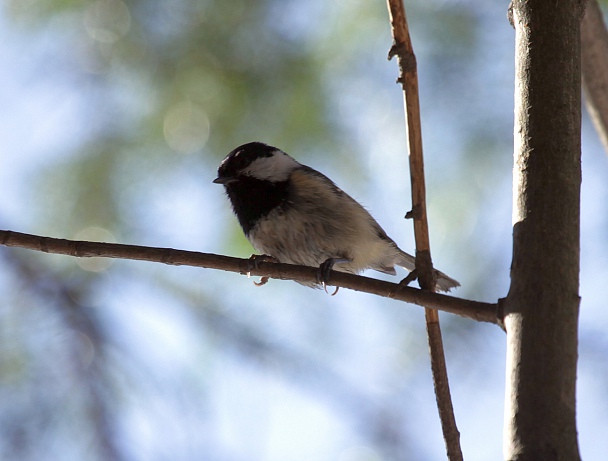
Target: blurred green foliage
[[136, 361], [162, 91]]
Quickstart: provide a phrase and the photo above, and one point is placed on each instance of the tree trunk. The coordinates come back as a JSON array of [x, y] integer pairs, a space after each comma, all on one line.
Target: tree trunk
[[541, 309]]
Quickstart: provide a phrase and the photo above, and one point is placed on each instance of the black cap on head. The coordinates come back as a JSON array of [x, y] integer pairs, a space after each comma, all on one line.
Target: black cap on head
[[240, 158]]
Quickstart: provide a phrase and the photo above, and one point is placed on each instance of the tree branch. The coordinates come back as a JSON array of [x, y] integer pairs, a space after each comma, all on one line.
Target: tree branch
[[480, 311], [403, 49]]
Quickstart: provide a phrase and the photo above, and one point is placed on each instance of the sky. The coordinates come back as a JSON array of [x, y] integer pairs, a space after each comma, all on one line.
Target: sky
[[275, 406]]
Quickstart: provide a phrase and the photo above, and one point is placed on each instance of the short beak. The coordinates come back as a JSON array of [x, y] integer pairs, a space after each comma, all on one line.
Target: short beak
[[224, 180]]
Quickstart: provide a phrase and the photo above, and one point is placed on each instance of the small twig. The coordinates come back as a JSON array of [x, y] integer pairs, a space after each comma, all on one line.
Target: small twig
[[408, 78], [480, 311], [409, 279]]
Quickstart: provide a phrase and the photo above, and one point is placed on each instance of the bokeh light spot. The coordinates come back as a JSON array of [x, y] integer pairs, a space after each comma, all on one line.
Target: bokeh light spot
[[107, 21], [95, 234], [186, 127]]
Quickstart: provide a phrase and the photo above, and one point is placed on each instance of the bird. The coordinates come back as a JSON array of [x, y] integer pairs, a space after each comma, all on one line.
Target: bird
[[297, 215]]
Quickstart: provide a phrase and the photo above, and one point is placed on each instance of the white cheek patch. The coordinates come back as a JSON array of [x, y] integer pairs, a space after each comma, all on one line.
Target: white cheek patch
[[275, 168]]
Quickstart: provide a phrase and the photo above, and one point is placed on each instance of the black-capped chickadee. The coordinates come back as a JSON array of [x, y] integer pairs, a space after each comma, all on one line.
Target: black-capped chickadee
[[299, 216]]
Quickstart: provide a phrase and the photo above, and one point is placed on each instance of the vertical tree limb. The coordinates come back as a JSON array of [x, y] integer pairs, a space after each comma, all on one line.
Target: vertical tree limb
[[402, 48], [541, 309]]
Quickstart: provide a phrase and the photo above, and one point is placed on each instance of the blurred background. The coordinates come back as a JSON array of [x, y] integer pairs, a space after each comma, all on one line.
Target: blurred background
[[115, 115]]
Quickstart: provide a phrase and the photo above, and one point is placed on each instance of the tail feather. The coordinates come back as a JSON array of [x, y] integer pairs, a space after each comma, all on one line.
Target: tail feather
[[444, 282], [405, 260]]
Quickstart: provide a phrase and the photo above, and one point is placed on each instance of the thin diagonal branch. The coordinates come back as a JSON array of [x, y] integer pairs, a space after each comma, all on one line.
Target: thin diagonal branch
[[402, 48], [480, 311]]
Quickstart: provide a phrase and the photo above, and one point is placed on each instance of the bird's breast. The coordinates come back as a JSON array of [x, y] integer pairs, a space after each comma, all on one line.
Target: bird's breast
[[254, 199]]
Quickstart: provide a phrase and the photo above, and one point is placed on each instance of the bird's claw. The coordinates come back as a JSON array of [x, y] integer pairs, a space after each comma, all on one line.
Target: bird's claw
[[252, 264], [324, 273], [263, 281]]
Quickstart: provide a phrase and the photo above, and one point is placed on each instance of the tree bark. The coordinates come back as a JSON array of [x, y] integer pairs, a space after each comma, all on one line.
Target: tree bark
[[476, 310], [408, 77], [541, 309]]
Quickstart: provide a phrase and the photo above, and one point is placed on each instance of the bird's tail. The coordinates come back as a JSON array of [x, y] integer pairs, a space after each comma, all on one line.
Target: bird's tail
[[444, 283]]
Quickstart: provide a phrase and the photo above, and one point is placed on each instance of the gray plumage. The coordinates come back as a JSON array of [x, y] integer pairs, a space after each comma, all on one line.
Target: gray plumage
[[299, 216]]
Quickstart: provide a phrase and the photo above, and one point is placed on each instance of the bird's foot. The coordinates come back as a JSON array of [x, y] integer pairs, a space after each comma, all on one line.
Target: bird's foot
[[252, 264], [325, 269]]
